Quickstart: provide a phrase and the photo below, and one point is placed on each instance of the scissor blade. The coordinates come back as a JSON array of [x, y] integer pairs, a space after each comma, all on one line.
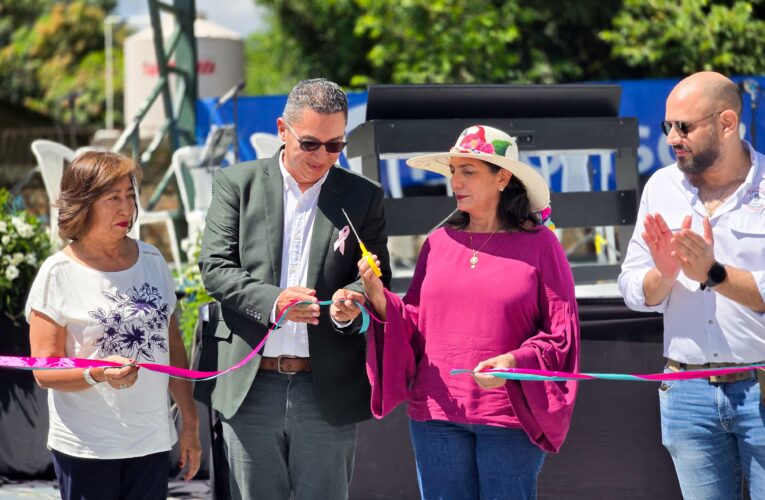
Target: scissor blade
[[351, 224]]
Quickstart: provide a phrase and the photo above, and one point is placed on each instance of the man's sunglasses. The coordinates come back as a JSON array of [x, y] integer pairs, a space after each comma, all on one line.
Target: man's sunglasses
[[682, 128], [313, 145]]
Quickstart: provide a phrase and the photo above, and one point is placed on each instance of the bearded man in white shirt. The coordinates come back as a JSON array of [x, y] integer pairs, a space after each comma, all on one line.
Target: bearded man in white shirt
[[698, 257]]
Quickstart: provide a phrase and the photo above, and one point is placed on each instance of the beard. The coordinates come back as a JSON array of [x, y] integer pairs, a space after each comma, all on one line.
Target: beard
[[700, 160]]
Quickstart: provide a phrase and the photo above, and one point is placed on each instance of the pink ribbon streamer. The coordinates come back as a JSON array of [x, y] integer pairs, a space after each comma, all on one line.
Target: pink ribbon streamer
[[39, 363]]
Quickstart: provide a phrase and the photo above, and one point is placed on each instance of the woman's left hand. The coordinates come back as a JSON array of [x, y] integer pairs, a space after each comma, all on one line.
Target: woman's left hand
[[191, 450], [486, 381]]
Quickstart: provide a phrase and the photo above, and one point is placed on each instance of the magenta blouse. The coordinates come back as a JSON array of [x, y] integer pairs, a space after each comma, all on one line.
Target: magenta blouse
[[518, 299]]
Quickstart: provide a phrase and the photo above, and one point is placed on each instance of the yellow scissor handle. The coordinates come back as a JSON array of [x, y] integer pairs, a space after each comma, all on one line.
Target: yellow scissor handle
[[365, 253]]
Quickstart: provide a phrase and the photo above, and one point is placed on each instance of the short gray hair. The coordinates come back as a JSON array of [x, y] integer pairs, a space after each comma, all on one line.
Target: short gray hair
[[318, 94]]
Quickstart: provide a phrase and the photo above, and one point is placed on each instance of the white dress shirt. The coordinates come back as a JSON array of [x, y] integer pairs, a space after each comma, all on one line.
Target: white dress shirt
[[299, 214], [702, 326]]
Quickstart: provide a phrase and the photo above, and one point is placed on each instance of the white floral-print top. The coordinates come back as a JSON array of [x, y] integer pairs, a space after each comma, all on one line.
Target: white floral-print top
[[125, 313]]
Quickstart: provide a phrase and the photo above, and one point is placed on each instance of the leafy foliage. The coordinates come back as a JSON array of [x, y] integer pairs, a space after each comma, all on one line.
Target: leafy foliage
[[678, 37], [194, 293], [310, 38], [58, 54], [357, 42], [24, 245]]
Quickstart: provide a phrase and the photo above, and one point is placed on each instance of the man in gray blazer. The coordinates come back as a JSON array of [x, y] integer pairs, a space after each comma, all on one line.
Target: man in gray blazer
[[275, 233]]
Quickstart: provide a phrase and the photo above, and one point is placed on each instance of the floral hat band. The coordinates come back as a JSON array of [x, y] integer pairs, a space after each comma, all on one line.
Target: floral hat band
[[493, 146], [473, 140]]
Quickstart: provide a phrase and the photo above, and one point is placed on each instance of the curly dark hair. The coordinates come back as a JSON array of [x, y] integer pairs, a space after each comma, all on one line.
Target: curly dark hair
[[513, 209]]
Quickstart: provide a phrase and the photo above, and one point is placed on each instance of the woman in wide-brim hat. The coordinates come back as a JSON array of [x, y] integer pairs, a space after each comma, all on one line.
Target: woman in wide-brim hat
[[492, 288]]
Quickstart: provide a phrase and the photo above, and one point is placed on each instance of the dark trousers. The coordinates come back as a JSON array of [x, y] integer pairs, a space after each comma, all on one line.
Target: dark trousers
[[142, 478], [279, 446]]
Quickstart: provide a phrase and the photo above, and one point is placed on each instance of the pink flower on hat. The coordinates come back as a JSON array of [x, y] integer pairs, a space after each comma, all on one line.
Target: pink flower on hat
[[475, 142]]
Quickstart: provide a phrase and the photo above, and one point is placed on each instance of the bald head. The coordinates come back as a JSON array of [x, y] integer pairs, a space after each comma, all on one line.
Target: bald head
[[710, 90]]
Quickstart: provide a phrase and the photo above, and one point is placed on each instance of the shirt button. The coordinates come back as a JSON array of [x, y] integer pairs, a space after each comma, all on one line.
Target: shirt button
[[711, 322], [714, 354]]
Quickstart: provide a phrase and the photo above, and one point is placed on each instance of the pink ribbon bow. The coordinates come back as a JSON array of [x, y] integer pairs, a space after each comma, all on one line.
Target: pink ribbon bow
[[340, 243]]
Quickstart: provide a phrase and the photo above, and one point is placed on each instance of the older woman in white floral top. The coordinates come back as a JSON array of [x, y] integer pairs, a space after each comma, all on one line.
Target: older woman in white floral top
[[107, 296]]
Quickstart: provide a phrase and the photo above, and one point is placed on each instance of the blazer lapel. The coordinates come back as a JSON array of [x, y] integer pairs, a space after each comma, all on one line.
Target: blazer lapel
[[273, 194], [327, 210]]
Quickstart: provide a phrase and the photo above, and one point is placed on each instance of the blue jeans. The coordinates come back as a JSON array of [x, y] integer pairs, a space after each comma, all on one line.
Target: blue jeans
[[469, 461], [715, 433], [279, 446]]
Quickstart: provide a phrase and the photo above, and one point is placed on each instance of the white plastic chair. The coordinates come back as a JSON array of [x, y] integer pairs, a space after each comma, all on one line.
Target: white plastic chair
[[50, 159], [194, 186], [265, 145], [158, 217]]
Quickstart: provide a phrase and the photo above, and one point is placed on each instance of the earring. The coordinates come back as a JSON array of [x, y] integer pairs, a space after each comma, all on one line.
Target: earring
[[502, 188]]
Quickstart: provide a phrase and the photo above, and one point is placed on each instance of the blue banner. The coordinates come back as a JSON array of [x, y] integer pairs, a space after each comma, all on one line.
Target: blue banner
[[644, 99]]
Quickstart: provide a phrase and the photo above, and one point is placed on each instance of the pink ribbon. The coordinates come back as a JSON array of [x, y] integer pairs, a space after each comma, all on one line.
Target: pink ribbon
[[340, 243], [32, 363]]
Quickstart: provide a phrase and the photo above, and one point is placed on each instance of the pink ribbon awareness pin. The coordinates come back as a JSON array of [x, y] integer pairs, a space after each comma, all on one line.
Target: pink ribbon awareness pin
[[340, 243]]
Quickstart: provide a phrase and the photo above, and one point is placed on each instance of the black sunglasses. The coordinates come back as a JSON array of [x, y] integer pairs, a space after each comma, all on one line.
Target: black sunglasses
[[682, 128], [313, 145]]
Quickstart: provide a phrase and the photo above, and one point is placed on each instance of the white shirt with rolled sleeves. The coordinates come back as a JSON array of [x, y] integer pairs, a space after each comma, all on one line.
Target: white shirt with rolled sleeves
[[701, 326]]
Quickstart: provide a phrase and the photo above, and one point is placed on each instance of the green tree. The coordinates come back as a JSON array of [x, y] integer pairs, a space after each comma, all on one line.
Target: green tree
[[677, 37], [61, 53], [307, 38], [356, 42], [15, 14], [273, 62], [485, 41], [442, 41]]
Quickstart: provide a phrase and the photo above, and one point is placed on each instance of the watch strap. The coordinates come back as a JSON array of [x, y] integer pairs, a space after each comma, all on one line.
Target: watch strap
[[88, 377], [716, 269]]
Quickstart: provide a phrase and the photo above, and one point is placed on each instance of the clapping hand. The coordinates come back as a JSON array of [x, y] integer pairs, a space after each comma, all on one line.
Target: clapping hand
[[658, 237], [693, 252]]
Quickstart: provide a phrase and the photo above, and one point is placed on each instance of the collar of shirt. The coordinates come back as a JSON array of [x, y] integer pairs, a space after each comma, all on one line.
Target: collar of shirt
[[291, 185], [692, 192]]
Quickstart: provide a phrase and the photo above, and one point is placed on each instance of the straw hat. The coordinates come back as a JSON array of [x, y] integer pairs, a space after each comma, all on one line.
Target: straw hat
[[493, 146]]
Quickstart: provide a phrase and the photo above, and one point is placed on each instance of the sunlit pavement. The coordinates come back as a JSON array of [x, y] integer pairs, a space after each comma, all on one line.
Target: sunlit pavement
[[46, 490]]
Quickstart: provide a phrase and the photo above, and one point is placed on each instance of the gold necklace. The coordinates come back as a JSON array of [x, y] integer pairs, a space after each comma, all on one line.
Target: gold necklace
[[474, 258], [713, 202]]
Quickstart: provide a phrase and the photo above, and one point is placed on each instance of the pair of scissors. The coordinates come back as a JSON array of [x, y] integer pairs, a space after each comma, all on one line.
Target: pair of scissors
[[364, 252]]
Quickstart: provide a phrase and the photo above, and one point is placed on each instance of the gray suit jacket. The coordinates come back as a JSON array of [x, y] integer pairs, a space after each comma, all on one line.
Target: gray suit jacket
[[241, 269]]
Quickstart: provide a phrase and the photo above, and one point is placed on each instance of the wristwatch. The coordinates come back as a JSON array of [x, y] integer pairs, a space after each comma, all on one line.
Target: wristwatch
[[715, 276], [88, 377]]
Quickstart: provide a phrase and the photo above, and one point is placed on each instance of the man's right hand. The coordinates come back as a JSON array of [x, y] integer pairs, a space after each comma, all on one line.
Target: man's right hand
[[658, 237], [302, 313]]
